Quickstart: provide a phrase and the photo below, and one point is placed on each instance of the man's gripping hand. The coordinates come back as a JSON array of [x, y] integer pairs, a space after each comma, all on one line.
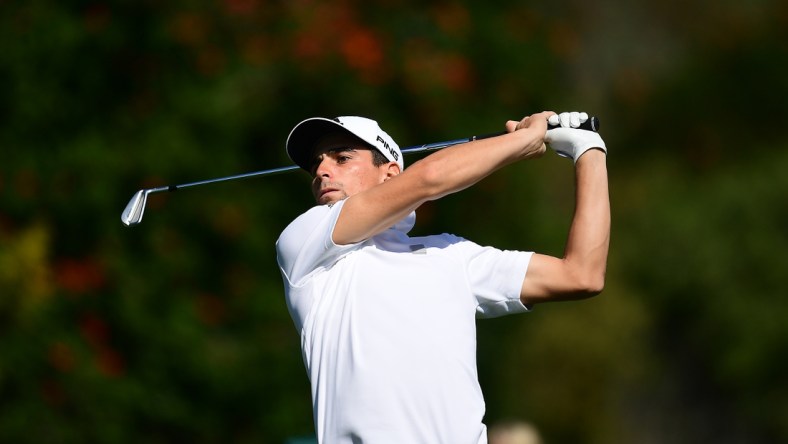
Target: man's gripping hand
[[567, 140]]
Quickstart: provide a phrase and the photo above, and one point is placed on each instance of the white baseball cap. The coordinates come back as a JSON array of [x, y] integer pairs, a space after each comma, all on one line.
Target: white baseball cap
[[302, 139]]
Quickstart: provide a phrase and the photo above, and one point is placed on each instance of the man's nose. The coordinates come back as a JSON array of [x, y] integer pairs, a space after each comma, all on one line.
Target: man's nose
[[323, 167]]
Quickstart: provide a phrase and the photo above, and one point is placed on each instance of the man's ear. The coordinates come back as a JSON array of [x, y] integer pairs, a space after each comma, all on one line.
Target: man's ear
[[392, 169]]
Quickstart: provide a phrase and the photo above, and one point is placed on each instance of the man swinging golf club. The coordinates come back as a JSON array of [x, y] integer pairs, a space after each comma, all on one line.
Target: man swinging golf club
[[387, 321]]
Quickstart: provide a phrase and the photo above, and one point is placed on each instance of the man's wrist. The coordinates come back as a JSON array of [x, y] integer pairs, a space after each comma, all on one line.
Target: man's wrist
[[592, 155]]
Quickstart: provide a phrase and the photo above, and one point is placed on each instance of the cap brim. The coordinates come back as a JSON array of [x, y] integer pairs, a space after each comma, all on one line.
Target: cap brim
[[303, 138]]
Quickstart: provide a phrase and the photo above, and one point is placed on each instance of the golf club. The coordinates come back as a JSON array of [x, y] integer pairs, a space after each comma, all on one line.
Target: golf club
[[132, 214]]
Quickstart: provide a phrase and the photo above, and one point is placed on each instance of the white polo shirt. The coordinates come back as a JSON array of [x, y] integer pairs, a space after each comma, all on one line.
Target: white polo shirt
[[388, 330]]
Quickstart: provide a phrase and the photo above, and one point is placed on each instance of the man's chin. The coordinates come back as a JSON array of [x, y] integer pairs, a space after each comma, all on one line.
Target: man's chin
[[331, 198]]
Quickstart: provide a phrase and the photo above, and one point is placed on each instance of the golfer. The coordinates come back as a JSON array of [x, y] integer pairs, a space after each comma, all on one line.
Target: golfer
[[387, 321]]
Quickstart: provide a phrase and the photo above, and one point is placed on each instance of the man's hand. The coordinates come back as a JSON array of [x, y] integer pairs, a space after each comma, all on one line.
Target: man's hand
[[537, 123], [570, 142]]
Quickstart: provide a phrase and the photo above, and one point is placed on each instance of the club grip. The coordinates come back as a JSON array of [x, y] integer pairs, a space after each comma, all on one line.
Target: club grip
[[592, 124]]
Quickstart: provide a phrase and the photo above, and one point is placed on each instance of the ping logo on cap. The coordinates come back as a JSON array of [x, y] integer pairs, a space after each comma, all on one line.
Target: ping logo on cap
[[394, 153]]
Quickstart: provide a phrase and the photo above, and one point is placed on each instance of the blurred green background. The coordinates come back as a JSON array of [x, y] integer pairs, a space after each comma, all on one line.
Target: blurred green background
[[176, 330]]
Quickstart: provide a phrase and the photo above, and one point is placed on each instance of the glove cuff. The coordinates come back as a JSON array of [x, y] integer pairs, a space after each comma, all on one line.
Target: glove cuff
[[599, 146]]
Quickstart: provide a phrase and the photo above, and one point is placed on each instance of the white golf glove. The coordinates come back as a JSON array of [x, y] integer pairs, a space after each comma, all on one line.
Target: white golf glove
[[567, 140]]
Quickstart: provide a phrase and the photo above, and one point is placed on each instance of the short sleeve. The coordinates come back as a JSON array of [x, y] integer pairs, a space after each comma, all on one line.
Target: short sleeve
[[496, 279], [306, 246]]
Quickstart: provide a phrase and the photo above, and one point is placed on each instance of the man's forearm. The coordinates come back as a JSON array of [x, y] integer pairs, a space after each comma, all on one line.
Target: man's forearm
[[459, 167], [589, 235]]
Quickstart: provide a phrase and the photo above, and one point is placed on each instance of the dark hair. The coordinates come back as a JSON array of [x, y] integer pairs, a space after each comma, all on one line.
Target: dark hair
[[378, 158]]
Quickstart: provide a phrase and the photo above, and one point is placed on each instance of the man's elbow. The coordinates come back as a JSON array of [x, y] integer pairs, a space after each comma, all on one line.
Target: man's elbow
[[430, 178], [595, 288], [590, 286]]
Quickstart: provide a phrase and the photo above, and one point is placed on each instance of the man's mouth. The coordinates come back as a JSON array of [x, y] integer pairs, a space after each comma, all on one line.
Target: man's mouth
[[322, 195], [325, 191]]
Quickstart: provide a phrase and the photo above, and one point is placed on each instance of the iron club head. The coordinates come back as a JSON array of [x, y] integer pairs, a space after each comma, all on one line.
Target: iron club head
[[132, 214]]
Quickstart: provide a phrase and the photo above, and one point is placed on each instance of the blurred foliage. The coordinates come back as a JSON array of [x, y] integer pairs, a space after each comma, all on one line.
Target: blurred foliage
[[177, 331]]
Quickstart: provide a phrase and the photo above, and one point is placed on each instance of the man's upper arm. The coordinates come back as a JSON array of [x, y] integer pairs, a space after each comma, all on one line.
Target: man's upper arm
[[552, 279]]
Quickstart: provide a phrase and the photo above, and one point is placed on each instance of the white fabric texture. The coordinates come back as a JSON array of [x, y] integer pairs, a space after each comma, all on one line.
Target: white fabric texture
[[388, 328]]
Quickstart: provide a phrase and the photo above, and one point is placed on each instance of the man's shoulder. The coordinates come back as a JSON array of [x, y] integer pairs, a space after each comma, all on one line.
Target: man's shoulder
[[317, 211], [306, 244], [308, 220]]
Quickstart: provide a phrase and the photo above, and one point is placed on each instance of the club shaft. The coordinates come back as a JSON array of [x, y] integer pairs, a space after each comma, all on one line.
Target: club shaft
[[446, 144], [285, 169], [270, 172], [133, 212]]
